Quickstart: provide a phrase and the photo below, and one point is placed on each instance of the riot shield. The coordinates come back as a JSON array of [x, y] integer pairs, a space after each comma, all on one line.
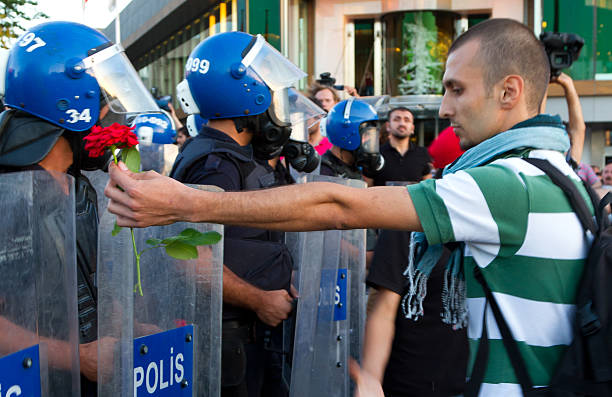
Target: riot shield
[[165, 342], [38, 295], [330, 278], [157, 157]]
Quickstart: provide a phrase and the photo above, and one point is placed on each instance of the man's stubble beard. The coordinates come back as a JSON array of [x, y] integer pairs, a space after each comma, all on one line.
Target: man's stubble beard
[[400, 136]]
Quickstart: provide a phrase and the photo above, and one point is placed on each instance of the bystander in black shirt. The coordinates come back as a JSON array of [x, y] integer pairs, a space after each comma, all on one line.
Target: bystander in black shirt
[[412, 166], [428, 358]]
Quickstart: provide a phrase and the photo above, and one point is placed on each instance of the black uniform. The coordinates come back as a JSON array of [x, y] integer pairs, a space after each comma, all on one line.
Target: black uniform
[[333, 166], [257, 256]]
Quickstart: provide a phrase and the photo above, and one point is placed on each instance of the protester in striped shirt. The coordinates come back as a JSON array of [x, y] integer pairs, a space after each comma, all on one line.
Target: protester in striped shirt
[[507, 217]]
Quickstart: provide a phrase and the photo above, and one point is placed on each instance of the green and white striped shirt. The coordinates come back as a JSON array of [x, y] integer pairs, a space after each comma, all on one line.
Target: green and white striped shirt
[[519, 228]]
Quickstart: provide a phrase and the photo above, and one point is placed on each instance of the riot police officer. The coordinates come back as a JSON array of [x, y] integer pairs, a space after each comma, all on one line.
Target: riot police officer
[[56, 90], [352, 128], [242, 86]]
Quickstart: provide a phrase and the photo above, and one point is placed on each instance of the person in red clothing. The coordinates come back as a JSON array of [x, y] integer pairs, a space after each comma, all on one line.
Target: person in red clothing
[[445, 149]]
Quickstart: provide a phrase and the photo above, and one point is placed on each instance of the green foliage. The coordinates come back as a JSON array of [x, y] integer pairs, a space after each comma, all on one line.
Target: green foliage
[[116, 230], [131, 158], [184, 245], [180, 250], [12, 15]]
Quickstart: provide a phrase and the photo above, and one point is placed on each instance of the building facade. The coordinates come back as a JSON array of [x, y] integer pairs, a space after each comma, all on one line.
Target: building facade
[[381, 47]]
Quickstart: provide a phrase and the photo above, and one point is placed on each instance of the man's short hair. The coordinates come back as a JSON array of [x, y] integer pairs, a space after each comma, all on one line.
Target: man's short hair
[[509, 47], [399, 108]]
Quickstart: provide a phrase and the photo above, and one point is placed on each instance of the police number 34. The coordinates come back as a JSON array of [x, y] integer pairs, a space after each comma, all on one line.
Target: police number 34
[[197, 65], [76, 116]]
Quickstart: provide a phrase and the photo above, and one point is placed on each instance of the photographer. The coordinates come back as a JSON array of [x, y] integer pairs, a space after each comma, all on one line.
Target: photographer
[[326, 81]]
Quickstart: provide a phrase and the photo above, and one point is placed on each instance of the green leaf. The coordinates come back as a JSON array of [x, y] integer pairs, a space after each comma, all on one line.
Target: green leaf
[[116, 230], [198, 238], [170, 240], [180, 250], [154, 241], [131, 158]]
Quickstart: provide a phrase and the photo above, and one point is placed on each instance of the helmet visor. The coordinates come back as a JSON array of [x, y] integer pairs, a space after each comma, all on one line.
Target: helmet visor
[[369, 137], [121, 85], [304, 114], [274, 69]]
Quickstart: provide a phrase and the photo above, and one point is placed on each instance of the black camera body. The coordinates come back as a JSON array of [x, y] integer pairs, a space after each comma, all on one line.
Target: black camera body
[[562, 50], [326, 79]]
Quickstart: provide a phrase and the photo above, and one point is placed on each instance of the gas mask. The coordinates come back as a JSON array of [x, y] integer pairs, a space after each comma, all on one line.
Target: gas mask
[[273, 127], [283, 130], [80, 157], [367, 155], [301, 156]]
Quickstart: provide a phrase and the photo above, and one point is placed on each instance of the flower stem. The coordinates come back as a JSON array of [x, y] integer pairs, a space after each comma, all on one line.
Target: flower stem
[[136, 254], [138, 283]]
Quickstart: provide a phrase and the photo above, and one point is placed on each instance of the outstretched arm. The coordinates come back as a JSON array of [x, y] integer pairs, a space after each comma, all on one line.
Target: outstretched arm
[[151, 199]]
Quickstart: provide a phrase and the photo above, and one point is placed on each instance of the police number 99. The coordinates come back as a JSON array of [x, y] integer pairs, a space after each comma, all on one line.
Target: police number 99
[[197, 65]]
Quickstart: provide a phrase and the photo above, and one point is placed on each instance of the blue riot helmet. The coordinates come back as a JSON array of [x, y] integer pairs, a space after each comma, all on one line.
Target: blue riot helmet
[[239, 76], [194, 124], [352, 125], [60, 80], [64, 74], [154, 128]]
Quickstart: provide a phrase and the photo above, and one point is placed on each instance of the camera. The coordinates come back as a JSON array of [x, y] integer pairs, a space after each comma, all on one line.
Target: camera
[[326, 79], [562, 50]]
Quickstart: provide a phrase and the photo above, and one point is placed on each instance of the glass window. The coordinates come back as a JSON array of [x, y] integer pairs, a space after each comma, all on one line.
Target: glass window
[[477, 18], [415, 50], [573, 17], [603, 66], [364, 51], [162, 67], [264, 19]]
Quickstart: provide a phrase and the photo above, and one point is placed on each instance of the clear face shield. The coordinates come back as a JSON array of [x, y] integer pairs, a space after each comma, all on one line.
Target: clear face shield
[[370, 137], [304, 113], [124, 92], [274, 69], [368, 155]]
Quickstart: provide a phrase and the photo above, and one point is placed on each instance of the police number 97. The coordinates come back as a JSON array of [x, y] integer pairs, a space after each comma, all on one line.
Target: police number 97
[[32, 42], [197, 65]]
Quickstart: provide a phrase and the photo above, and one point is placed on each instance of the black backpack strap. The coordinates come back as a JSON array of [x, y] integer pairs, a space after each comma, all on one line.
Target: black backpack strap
[[472, 388], [571, 191], [518, 364]]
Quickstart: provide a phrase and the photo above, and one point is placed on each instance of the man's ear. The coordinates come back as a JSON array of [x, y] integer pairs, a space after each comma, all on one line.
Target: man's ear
[[512, 91]]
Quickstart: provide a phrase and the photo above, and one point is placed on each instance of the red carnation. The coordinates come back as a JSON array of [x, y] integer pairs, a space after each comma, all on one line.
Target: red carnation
[[115, 136]]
